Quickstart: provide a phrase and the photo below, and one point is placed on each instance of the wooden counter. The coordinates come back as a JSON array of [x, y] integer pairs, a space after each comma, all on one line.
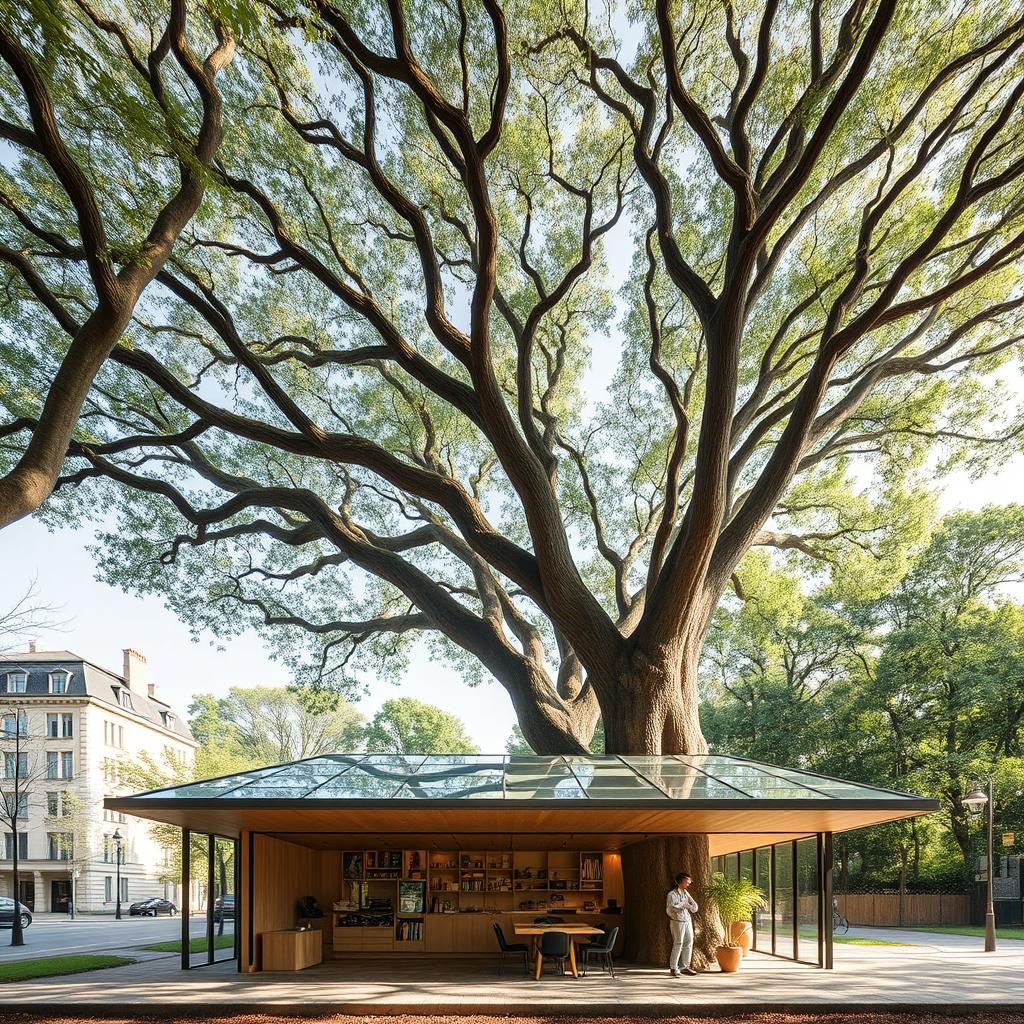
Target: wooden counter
[[291, 949]]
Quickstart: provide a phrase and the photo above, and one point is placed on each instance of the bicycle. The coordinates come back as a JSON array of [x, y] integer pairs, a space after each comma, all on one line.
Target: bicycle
[[839, 921]]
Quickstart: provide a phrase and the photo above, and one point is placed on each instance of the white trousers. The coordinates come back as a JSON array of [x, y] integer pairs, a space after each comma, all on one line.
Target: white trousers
[[682, 944]]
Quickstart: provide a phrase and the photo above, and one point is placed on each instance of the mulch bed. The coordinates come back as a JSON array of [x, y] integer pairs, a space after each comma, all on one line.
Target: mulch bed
[[927, 1015]]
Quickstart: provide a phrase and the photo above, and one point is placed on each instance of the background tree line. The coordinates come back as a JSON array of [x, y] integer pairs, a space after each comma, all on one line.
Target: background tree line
[[910, 675]]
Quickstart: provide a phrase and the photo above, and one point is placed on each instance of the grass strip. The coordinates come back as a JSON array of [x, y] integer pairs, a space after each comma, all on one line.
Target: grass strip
[[53, 966], [194, 945]]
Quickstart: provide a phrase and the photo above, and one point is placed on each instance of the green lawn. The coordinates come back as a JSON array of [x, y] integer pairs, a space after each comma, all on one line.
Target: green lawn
[[969, 929], [51, 966], [857, 940], [194, 945]]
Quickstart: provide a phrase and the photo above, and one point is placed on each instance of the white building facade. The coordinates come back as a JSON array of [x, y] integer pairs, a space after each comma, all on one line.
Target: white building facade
[[79, 726]]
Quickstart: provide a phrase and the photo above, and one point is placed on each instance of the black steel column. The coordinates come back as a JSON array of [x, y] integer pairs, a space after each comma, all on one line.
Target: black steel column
[[796, 902], [186, 886], [826, 893], [237, 846], [775, 888], [210, 853], [820, 887]]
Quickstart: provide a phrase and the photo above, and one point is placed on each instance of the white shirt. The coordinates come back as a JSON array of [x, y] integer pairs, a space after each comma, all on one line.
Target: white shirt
[[679, 904]]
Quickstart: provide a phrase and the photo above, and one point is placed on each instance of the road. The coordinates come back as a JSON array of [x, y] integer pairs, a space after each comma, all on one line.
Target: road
[[54, 935]]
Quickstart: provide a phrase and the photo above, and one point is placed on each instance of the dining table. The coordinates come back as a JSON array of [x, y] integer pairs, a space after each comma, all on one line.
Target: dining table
[[574, 931]]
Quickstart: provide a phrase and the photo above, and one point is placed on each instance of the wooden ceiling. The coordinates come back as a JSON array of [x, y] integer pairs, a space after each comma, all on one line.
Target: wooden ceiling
[[309, 818], [720, 844]]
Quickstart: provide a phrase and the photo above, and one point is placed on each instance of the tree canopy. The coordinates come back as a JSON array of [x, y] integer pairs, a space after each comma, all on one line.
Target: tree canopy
[[505, 325], [408, 726]]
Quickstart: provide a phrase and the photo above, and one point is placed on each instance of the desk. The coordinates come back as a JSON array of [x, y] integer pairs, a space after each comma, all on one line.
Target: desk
[[572, 930], [291, 949]]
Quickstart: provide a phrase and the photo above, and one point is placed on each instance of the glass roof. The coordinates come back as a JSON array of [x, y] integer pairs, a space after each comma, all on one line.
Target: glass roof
[[377, 778]]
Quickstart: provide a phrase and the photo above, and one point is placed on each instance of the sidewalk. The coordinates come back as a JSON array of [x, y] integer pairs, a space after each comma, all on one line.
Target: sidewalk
[[933, 940]]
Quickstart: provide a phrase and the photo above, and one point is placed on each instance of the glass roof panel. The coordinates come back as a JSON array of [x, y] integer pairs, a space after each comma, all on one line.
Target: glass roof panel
[[380, 777], [459, 787]]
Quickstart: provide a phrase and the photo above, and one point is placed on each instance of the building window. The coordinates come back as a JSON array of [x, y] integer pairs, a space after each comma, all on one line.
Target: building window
[[53, 805], [60, 726], [17, 682], [59, 682], [60, 764], [60, 845], [124, 889], [124, 698], [9, 845], [108, 889], [113, 735], [9, 727], [16, 767], [22, 804]]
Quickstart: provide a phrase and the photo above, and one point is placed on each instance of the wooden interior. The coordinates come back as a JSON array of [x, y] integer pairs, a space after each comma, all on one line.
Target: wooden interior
[[227, 819]]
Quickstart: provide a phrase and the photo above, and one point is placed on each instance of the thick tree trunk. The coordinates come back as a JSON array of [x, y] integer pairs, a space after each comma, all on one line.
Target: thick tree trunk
[[657, 714]]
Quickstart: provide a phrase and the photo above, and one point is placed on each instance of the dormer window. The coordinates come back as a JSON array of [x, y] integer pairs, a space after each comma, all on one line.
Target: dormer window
[[125, 700], [17, 682], [60, 681], [168, 720]]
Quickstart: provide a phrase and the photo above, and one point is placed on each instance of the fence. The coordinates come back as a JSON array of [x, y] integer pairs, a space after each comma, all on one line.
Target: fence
[[883, 909]]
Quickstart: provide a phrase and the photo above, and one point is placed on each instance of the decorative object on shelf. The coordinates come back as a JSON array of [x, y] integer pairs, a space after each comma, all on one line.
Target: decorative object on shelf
[[308, 907], [612, 908]]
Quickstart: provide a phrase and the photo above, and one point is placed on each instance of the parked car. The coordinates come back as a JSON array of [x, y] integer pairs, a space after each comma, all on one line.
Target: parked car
[[152, 907], [224, 907], [7, 913]]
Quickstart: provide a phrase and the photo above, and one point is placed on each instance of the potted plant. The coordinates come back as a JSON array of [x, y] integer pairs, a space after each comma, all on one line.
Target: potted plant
[[736, 900]]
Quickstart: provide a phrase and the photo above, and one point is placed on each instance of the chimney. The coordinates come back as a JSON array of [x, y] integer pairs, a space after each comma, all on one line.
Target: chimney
[[32, 647], [134, 669]]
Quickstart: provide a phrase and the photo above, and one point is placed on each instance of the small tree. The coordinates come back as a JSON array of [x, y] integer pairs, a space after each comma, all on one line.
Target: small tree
[[22, 772]]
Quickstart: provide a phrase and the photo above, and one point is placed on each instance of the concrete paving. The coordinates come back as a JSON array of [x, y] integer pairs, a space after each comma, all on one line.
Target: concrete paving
[[865, 977], [934, 940]]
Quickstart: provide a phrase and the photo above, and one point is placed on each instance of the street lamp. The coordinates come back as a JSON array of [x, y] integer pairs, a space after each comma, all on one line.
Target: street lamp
[[117, 837], [975, 800]]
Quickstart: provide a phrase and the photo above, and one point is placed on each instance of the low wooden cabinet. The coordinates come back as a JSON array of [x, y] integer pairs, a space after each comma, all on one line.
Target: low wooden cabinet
[[291, 949]]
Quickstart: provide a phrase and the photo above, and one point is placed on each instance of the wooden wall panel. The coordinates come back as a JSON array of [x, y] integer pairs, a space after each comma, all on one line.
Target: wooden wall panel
[[282, 874]]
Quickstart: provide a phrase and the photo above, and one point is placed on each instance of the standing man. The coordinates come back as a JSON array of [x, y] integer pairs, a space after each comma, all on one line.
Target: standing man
[[679, 906]]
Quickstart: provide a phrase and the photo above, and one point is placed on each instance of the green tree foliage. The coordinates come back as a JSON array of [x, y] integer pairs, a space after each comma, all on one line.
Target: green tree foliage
[[408, 726], [507, 325], [261, 725], [920, 687]]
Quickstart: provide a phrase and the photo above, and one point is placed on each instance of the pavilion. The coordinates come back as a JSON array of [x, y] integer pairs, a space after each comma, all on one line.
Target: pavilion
[[421, 855]]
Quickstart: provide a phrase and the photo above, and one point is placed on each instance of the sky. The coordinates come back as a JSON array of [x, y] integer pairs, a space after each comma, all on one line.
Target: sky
[[100, 621]]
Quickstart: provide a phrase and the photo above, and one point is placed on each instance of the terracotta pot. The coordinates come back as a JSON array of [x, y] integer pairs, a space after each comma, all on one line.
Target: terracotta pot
[[742, 935], [729, 958]]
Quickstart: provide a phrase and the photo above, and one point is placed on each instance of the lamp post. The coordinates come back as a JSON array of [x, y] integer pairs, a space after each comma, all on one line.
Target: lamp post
[[117, 837], [975, 800]]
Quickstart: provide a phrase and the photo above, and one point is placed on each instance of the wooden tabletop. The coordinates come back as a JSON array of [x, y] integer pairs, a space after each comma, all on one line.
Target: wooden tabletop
[[571, 929]]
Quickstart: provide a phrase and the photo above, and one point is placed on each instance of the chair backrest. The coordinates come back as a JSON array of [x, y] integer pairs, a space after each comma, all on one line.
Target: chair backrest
[[547, 919], [554, 944], [609, 942], [501, 936]]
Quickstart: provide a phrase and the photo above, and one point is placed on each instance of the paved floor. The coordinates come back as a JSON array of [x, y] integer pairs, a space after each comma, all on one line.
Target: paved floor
[[864, 977]]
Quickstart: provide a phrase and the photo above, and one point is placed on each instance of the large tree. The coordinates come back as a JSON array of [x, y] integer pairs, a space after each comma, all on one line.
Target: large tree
[[359, 401], [408, 726]]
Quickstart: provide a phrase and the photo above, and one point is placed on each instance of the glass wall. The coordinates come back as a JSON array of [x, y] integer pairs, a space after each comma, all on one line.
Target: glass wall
[[209, 907], [763, 880], [807, 899], [789, 875], [784, 899]]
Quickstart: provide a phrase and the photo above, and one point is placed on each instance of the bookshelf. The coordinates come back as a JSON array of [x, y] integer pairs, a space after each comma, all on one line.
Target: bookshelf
[[408, 900]]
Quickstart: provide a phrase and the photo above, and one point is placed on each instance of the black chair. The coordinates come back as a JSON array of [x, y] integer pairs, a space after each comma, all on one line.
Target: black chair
[[514, 949], [554, 946], [601, 950], [549, 920]]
